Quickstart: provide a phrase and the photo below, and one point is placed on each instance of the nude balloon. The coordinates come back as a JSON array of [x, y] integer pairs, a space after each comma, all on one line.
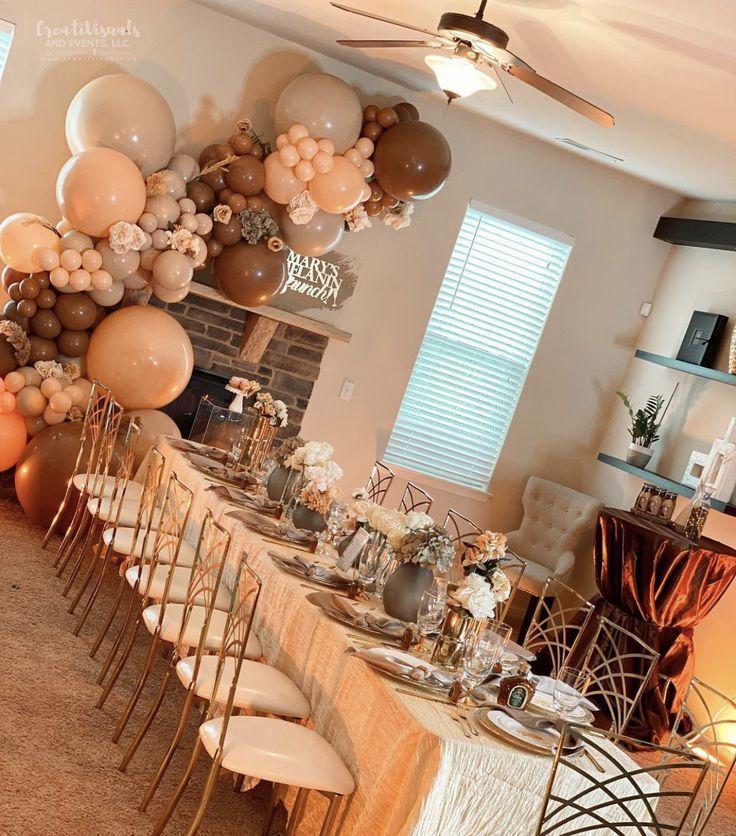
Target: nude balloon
[[124, 113], [22, 237], [153, 423], [172, 270], [118, 266], [99, 187], [340, 189], [281, 184], [321, 235]]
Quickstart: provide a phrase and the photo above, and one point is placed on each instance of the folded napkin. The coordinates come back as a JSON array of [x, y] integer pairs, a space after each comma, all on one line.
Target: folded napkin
[[377, 622], [546, 685], [279, 531], [406, 665], [316, 570], [258, 503], [185, 446]]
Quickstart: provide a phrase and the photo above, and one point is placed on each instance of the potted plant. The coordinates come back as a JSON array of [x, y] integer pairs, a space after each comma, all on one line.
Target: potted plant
[[644, 431]]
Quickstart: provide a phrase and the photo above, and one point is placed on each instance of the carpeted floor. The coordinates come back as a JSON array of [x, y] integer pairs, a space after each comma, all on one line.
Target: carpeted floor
[[58, 773]]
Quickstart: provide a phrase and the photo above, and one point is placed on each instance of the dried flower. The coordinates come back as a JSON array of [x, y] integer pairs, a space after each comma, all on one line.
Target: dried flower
[[286, 449], [155, 184], [488, 546], [302, 208], [75, 414], [400, 216], [184, 242], [316, 500], [357, 219], [244, 125], [222, 213], [275, 244], [429, 546], [125, 237], [18, 340], [257, 225], [71, 370], [51, 369]]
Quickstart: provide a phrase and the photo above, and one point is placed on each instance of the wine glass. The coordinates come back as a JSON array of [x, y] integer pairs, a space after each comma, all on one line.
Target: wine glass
[[430, 614], [568, 690], [439, 588], [369, 563], [482, 654], [334, 521]]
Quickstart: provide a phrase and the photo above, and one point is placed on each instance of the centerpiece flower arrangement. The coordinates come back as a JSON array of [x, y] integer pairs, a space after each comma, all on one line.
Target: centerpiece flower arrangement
[[317, 489], [485, 585], [274, 410], [282, 477], [286, 449]]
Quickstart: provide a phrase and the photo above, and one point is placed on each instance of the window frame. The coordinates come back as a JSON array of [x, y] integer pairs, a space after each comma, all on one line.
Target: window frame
[[7, 28]]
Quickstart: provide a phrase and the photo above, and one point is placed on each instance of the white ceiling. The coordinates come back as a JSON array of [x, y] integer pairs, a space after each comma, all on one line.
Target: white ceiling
[[665, 68]]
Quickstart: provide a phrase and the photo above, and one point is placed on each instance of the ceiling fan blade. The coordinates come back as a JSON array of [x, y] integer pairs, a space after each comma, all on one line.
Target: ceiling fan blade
[[378, 44], [565, 97], [384, 19]]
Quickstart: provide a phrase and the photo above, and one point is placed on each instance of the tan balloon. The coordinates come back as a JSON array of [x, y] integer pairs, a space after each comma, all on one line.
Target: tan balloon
[[98, 187], [21, 237], [281, 184], [172, 270], [111, 296], [340, 189], [124, 113], [153, 423], [169, 296], [118, 266], [321, 235], [143, 355], [325, 104]]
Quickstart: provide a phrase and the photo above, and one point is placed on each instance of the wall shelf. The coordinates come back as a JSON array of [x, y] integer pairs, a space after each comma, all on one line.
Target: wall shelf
[[662, 481], [690, 232], [687, 368]]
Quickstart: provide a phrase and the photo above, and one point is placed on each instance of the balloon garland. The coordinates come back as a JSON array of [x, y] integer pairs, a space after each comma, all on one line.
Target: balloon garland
[[139, 219]]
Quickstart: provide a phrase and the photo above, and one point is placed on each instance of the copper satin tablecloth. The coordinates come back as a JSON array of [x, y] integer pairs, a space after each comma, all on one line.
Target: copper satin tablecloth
[[661, 585]]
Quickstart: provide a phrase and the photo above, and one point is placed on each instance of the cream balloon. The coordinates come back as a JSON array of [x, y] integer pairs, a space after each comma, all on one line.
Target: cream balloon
[[321, 235], [111, 296], [138, 280], [153, 423], [167, 295], [73, 239], [124, 113], [325, 104], [281, 184], [119, 266], [98, 187], [21, 237], [185, 166], [172, 270], [340, 189]]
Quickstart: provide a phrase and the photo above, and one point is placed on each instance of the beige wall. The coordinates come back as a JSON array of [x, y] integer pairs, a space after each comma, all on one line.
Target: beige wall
[[213, 69]]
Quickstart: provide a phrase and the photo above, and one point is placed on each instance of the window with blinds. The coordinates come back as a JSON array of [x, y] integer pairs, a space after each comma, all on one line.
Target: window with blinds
[[6, 39], [478, 347]]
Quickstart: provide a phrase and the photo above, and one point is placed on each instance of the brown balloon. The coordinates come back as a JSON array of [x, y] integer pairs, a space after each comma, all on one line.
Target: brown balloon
[[214, 179], [208, 155], [73, 343], [76, 311], [408, 108], [46, 298], [101, 314], [387, 117], [10, 311], [224, 151], [257, 151], [370, 112], [14, 292], [202, 195], [229, 233], [8, 363], [10, 276], [27, 308], [250, 274], [372, 130], [412, 161], [237, 202], [373, 208], [43, 279], [241, 143], [43, 470], [46, 324], [29, 288], [246, 176], [42, 349], [214, 248]]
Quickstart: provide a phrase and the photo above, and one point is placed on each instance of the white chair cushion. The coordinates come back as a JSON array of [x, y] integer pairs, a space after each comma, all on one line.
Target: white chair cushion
[[280, 751], [107, 510], [122, 540], [260, 687], [154, 588], [174, 617], [105, 485], [533, 579]]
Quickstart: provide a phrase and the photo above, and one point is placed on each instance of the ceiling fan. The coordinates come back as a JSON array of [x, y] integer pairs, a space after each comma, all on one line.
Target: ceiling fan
[[475, 46]]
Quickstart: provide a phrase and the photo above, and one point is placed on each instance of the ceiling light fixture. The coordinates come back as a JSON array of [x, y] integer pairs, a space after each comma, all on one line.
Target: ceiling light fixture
[[458, 76]]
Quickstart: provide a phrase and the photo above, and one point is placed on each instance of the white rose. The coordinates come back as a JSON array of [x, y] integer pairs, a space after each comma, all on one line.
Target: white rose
[[416, 520], [476, 596], [501, 585]]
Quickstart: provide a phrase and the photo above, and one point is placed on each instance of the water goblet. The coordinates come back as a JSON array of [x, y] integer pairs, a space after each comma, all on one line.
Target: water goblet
[[430, 614], [483, 654], [369, 564], [334, 521], [569, 685]]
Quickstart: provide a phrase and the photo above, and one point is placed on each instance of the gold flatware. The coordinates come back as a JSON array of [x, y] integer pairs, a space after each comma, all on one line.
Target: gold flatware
[[366, 638], [427, 697]]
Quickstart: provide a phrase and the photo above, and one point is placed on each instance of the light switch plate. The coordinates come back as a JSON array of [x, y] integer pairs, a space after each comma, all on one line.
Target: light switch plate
[[346, 390], [645, 309]]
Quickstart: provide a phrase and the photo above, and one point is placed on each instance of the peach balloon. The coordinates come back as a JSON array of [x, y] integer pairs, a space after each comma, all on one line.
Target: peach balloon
[[339, 190], [14, 382], [153, 423], [22, 237], [71, 260], [91, 260], [323, 162], [281, 184], [12, 438], [304, 170], [307, 147], [143, 355], [99, 187], [7, 401], [48, 259], [281, 141]]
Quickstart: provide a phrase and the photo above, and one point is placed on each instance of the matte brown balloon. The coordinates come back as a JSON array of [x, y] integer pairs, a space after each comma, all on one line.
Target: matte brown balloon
[[412, 161], [202, 195], [43, 470], [27, 308], [229, 233], [410, 109], [246, 176], [250, 274], [42, 349], [29, 288], [8, 363], [208, 155], [241, 143], [46, 324], [10, 276], [14, 292], [73, 343], [76, 311], [10, 311], [43, 279]]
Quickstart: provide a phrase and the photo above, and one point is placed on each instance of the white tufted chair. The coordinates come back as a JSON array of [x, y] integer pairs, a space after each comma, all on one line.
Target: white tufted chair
[[555, 521]]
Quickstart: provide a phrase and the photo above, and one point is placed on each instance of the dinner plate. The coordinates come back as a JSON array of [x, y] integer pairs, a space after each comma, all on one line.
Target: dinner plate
[[343, 618], [499, 724], [295, 568]]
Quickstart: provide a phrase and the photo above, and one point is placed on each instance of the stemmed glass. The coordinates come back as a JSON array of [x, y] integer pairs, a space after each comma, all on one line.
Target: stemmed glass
[[569, 686], [429, 618], [369, 563], [334, 520], [482, 654]]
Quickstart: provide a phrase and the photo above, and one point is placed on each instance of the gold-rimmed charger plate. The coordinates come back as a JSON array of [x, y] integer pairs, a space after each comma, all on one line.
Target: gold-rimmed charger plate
[[344, 619]]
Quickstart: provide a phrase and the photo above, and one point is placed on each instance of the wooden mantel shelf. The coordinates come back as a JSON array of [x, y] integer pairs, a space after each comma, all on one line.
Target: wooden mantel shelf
[[261, 323]]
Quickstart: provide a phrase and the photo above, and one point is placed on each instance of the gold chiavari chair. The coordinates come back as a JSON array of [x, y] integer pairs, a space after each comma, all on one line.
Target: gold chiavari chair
[[133, 543], [560, 617], [462, 531], [95, 416], [102, 438], [415, 498], [619, 666], [706, 726], [99, 523], [379, 482], [268, 748], [624, 798], [261, 688], [513, 567], [168, 539]]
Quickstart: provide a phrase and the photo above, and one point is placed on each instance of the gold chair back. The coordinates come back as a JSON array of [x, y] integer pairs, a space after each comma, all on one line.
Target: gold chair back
[[415, 498], [379, 482]]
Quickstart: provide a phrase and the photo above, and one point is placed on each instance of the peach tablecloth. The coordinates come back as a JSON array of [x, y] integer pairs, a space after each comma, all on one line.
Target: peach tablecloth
[[415, 771]]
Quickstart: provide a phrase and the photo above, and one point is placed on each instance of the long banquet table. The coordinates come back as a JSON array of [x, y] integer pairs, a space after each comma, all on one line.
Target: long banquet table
[[415, 771]]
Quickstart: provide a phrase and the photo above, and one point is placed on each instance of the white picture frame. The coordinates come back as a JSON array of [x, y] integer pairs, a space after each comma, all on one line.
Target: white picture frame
[[694, 469]]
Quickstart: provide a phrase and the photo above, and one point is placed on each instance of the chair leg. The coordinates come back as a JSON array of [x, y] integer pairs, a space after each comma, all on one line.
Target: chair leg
[[528, 615], [131, 617], [71, 528], [171, 806], [66, 553], [204, 801], [173, 746], [297, 811], [103, 631], [136, 695], [120, 665], [331, 815], [276, 793], [105, 560], [150, 717], [84, 552]]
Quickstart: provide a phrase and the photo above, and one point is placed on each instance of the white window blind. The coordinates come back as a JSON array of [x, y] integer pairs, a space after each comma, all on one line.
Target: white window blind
[[6, 38], [478, 347]]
